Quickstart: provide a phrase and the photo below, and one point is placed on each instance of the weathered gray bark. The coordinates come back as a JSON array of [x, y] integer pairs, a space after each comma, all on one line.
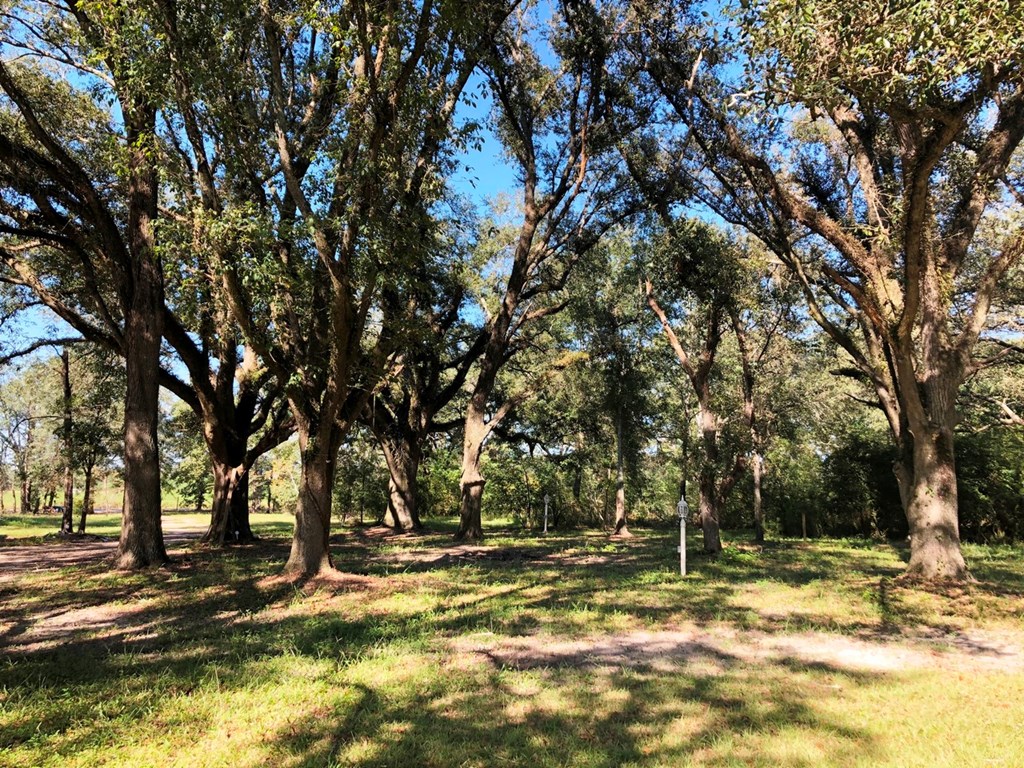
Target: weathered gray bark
[[471, 483], [403, 460], [310, 551], [927, 479], [757, 466]]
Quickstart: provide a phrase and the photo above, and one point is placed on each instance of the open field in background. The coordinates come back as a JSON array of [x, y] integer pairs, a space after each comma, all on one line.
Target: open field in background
[[26, 529], [569, 650]]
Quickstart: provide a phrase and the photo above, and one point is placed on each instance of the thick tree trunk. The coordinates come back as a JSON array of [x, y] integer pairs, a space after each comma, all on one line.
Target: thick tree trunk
[[471, 484], [310, 552], [931, 493], [403, 459], [239, 511], [758, 511], [142, 542], [86, 499], [709, 513], [67, 523], [229, 517], [26, 495]]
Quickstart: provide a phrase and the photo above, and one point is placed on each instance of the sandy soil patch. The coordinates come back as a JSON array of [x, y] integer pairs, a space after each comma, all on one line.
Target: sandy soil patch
[[716, 649]]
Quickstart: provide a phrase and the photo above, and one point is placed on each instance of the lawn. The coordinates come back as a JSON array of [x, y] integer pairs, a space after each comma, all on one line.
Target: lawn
[[565, 650]]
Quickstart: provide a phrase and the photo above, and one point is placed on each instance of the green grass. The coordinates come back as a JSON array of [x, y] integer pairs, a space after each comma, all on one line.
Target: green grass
[[217, 661]]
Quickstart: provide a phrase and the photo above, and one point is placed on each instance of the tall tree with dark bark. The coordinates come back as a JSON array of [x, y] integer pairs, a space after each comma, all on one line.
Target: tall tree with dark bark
[[54, 201]]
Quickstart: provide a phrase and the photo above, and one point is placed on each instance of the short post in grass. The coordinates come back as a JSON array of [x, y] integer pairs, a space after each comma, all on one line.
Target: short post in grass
[[547, 499], [682, 510]]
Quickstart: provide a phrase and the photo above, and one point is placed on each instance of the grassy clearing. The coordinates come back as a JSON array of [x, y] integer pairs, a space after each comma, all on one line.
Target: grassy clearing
[[432, 654]]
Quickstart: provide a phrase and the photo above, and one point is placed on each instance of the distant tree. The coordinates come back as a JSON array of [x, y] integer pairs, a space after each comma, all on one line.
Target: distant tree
[[694, 284]]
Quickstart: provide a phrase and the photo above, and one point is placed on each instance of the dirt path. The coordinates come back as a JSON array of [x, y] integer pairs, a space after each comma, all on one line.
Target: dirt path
[[64, 553]]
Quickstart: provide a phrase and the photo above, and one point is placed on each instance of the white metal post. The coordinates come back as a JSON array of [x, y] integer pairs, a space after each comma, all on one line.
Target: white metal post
[[547, 498], [682, 510]]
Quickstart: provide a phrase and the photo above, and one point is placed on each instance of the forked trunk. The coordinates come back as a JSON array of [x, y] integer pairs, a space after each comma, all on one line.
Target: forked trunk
[[310, 552], [931, 507], [403, 462]]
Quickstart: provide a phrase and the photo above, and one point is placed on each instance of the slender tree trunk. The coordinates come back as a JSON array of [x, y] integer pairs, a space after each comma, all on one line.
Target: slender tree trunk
[[86, 498], [758, 461], [310, 552], [67, 523], [142, 542], [709, 497], [472, 481], [620, 527], [403, 460], [26, 494]]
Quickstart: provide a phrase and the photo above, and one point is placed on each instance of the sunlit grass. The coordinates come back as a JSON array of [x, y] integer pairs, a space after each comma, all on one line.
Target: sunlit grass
[[218, 661]]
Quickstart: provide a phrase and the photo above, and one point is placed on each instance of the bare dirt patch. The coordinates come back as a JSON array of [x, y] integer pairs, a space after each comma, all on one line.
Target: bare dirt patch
[[716, 649], [61, 552]]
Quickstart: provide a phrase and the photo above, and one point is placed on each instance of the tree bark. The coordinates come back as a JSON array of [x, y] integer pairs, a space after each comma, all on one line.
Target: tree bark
[[67, 522], [403, 459], [931, 493], [141, 542], [86, 498], [709, 496], [758, 461], [620, 527], [310, 551], [471, 484], [708, 508], [229, 516]]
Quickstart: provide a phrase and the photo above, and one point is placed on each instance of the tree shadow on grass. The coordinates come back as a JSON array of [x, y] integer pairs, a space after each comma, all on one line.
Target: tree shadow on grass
[[206, 618], [571, 714]]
